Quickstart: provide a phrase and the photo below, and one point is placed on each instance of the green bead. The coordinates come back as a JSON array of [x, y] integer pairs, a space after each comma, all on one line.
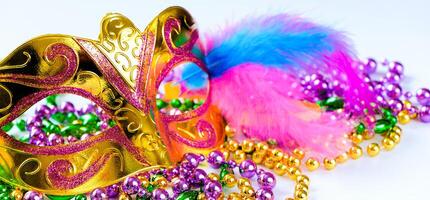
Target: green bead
[[24, 139], [46, 123], [111, 123], [360, 128], [151, 188], [393, 120], [382, 126], [175, 103], [54, 128], [84, 129], [59, 117], [70, 117], [7, 127], [80, 197], [188, 103], [224, 171], [333, 103], [188, 195], [196, 106], [89, 119], [71, 130], [4, 188], [161, 104], [183, 108], [52, 100], [5, 196], [53, 197], [386, 113], [21, 125]]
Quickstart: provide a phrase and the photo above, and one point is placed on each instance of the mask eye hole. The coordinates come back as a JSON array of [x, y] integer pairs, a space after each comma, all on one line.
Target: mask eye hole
[[184, 89], [59, 119]]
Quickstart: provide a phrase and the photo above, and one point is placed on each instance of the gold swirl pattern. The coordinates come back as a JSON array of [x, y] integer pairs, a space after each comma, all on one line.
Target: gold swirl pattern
[[19, 66]]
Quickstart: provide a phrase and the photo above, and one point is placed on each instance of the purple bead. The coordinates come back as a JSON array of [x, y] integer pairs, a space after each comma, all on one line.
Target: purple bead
[[112, 191], [131, 185], [247, 169], [67, 107], [71, 139], [43, 110], [396, 67], [212, 189], [181, 186], [98, 194], [198, 177], [185, 170], [266, 180], [89, 108], [264, 194], [32, 195], [412, 110], [392, 77], [85, 136], [193, 159], [423, 96], [378, 86], [393, 90], [425, 114], [104, 126], [55, 139], [160, 194], [395, 105], [143, 193], [370, 66], [408, 95], [35, 131], [215, 159], [231, 164]]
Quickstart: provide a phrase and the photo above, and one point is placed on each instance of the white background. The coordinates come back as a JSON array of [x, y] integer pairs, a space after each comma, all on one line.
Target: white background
[[390, 29]]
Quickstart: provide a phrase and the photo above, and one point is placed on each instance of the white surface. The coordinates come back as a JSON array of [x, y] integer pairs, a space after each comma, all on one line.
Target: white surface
[[385, 28]]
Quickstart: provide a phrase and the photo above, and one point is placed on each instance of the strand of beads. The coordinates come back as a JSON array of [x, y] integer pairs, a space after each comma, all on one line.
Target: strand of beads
[[272, 158], [179, 104]]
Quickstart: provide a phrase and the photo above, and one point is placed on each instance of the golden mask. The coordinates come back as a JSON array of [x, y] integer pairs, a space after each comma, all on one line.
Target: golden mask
[[121, 72]]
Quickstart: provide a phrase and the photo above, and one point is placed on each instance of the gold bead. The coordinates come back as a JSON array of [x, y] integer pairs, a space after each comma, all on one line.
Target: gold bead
[[301, 195], [229, 131], [201, 196], [293, 172], [289, 199], [356, 138], [407, 104], [261, 146], [303, 179], [276, 154], [373, 149], [213, 176], [303, 187], [124, 196], [355, 152], [258, 156], [234, 196], [17, 194], [293, 162], [232, 145], [312, 164], [298, 154], [367, 135], [403, 117], [239, 156], [161, 182], [280, 168], [247, 146], [226, 153], [394, 136], [230, 180], [397, 130], [247, 191], [242, 182], [269, 162], [342, 158], [388, 144], [329, 164]]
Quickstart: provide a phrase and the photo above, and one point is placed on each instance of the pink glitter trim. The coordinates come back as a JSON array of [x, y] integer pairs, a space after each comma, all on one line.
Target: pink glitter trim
[[53, 51], [109, 71], [202, 127], [114, 134], [146, 54], [173, 23]]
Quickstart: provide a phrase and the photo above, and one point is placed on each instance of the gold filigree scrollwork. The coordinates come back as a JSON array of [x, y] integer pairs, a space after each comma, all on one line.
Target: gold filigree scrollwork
[[20, 66], [5, 98], [26, 162]]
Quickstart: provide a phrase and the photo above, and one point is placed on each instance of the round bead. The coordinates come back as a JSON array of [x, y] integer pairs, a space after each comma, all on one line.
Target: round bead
[[355, 152], [112, 191], [303, 179], [17, 194], [124, 196], [98, 194], [160, 194], [55, 139], [247, 146], [258, 156], [293, 172], [264, 194], [232, 145], [424, 114], [239, 156], [280, 168], [243, 182], [298, 153], [247, 191], [247, 168], [214, 177], [230, 180], [373, 149], [388, 144], [131, 185], [216, 158], [395, 137], [312, 164], [266, 180], [293, 162], [403, 117], [356, 138], [229, 131], [329, 164], [32, 195], [423, 96], [181, 186], [396, 67], [212, 189]]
